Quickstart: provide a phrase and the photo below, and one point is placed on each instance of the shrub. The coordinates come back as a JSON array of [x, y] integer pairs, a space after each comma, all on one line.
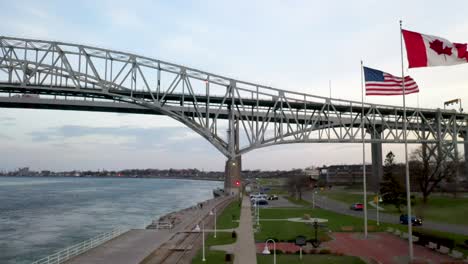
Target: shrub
[[278, 252], [425, 238], [309, 251], [228, 257], [234, 234], [324, 251]]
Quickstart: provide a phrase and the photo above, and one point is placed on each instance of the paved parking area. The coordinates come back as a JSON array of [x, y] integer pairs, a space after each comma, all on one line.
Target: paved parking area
[[281, 202]]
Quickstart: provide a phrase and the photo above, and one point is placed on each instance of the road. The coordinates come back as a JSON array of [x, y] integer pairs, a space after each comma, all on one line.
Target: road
[[343, 208]]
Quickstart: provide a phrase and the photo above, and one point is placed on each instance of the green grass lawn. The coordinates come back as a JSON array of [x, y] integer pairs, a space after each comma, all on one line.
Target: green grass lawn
[[335, 221], [211, 257], [214, 256], [232, 211], [294, 259], [297, 201], [439, 208], [286, 230]]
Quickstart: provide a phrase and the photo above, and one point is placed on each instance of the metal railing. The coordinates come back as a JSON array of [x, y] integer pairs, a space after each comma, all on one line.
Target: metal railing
[[75, 250]]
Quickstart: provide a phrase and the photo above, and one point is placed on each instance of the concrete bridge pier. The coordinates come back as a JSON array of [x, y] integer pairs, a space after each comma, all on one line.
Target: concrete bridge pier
[[232, 173], [232, 178], [377, 161]]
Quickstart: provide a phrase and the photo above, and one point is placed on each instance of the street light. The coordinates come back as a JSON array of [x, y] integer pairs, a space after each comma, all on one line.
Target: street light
[[378, 199], [203, 239], [313, 199], [258, 213], [211, 213], [266, 251]]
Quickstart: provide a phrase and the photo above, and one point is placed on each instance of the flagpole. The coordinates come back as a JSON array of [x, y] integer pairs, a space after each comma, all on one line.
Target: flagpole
[[363, 151], [408, 189]]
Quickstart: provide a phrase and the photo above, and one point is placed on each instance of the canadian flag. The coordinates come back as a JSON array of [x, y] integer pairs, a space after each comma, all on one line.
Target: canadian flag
[[426, 50]]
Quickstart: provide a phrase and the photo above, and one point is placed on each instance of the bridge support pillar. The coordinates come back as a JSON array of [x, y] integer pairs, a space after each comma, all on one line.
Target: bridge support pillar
[[232, 174], [377, 165], [232, 179]]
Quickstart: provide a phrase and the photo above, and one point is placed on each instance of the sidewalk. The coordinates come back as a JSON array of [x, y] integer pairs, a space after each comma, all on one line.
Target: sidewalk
[[244, 248]]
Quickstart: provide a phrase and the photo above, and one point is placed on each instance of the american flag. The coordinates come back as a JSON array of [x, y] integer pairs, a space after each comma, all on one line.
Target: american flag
[[382, 83]]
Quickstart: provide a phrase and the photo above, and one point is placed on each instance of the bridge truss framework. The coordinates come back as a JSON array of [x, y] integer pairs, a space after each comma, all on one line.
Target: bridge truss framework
[[234, 116]]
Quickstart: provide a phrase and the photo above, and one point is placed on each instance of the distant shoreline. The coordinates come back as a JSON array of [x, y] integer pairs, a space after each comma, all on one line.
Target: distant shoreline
[[118, 177]]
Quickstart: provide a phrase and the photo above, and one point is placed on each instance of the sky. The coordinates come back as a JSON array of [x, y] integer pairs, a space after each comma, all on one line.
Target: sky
[[292, 45]]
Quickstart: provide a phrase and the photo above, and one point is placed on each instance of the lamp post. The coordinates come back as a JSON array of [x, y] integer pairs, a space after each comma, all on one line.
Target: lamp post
[[266, 251], [379, 199], [203, 239], [211, 213], [258, 213], [313, 199]]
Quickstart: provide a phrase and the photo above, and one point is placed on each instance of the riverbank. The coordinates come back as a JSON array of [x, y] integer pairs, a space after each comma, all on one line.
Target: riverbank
[[146, 245]]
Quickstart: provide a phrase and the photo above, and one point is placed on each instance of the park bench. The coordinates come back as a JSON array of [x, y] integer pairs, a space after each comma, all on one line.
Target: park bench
[[415, 239], [404, 235], [456, 254], [390, 230], [443, 250], [431, 245], [397, 232]]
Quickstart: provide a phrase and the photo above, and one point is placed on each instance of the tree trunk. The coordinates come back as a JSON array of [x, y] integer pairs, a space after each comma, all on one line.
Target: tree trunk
[[425, 197]]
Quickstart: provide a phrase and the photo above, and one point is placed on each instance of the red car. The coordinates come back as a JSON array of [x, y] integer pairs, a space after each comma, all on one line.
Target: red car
[[357, 207]]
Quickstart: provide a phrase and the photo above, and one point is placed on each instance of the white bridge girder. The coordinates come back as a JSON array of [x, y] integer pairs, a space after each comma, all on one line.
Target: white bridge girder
[[208, 103]]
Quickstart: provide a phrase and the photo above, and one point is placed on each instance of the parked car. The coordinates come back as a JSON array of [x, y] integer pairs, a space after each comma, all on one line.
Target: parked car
[[357, 207], [273, 197], [262, 202], [414, 220]]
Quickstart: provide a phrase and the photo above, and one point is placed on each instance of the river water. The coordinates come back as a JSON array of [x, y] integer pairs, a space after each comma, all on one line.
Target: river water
[[39, 216]]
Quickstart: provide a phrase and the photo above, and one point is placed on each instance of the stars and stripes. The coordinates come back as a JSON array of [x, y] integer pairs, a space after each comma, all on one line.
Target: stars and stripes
[[382, 83]]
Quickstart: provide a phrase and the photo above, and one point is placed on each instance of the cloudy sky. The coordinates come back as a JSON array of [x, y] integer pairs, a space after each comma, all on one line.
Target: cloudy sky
[[293, 45]]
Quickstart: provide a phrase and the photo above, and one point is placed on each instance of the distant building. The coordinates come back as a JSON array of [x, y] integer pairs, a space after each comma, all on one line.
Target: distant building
[[343, 174], [312, 172]]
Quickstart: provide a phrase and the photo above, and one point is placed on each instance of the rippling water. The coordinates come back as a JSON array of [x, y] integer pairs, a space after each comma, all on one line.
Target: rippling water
[[39, 216]]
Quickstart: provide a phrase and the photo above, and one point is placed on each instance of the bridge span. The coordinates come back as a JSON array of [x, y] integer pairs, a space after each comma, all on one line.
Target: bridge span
[[234, 116]]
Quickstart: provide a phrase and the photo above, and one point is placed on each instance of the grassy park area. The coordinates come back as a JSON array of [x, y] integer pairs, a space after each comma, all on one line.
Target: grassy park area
[[444, 209], [322, 259], [230, 213], [224, 221], [297, 201], [285, 230], [214, 256]]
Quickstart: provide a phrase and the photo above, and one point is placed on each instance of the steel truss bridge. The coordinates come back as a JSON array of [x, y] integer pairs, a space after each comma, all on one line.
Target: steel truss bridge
[[234, 116]]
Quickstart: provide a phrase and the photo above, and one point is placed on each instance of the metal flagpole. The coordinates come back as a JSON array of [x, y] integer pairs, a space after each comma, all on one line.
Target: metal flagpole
[[363, 151], [408, 189]]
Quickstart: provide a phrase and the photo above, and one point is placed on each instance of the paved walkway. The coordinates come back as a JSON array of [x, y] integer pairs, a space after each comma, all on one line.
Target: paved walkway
[[382, 247], [343, 208], [244, 248]]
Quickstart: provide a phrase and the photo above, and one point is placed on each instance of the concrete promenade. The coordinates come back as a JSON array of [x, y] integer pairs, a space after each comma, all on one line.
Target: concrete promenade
[[244, 248], [135, 245]]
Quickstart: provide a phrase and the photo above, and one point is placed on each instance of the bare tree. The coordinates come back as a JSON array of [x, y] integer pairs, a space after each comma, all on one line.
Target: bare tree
[[297, 183], [430, 168], [391, 188]]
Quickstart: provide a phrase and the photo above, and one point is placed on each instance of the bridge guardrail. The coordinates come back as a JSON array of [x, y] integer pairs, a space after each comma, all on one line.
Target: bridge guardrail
[[75, 250]]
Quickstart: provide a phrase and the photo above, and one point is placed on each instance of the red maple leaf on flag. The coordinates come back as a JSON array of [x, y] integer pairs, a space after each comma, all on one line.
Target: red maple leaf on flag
[[438, 46]]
